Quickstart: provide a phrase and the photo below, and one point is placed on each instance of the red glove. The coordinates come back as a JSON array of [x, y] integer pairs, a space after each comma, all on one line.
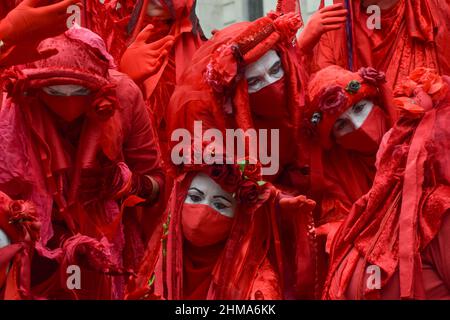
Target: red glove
[[142, 60], [113, 182], [30, 22], [327, 19], [300, 203]]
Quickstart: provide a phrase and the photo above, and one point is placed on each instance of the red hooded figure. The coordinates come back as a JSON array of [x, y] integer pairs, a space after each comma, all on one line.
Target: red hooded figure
[[412, 34], [77, 142], [344, 121], [220, 239], [394, 243]]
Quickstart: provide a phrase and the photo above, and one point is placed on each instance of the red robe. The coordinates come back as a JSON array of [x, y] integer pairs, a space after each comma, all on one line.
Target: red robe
[[413, 34]]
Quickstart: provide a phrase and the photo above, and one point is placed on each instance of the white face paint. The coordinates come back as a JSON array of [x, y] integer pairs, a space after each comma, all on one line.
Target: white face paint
[[353, 118], [67, 90], [156, 9], [262, 73], [4, 241], [204, 190]]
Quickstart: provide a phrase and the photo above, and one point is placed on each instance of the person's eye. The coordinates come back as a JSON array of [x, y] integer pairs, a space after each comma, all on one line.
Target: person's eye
[[340, 124], [220, 206], [195, 198], [82, 92], [275, 69], [253, 82], [358, 108]]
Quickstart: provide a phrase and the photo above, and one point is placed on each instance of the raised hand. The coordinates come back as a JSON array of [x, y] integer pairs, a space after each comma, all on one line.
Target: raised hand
[[31, 22], [327, 19], [142, 60]]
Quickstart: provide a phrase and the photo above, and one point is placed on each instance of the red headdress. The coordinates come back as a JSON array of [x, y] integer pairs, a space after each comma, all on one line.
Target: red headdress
[[392, 225]]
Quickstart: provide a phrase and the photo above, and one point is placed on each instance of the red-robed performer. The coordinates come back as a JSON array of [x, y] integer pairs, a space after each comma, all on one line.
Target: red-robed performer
[[76, 140], [247, 77], [412, 34], [394, 243], [220, 240], [345, 119]]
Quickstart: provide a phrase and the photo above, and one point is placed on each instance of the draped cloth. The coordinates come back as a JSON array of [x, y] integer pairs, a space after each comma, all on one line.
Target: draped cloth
[[413, 34], [52, 155], [399, 224]]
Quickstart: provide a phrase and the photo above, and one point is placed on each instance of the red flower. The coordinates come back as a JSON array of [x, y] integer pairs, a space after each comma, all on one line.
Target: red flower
[[332, 99], [248, 192], [372, 76]]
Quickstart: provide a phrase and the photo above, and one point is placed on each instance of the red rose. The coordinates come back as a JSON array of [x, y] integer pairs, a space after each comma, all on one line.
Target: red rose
[[332, 99], [372, 76], [248, 192]]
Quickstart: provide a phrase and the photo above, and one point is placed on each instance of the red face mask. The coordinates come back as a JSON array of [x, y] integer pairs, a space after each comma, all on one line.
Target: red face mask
[[203, 226], [69, 108], [367, 138], [269, 102]]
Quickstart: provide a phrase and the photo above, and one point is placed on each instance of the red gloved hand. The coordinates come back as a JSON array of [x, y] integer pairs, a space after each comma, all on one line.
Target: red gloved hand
[[327, 19], [300, 203], [142, 60], [30, 22], [113, 182], [328, 230]]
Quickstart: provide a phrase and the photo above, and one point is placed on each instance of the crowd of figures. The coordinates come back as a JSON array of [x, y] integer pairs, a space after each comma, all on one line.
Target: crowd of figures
[[92, 205]]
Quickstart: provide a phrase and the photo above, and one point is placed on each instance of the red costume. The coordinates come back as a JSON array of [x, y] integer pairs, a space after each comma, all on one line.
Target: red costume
[[342, 172], [413, 34], [245, 265], [401, 226], [75, 170]]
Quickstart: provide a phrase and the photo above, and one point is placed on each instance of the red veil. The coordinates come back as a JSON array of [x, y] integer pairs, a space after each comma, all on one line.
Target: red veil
[[413, 34], [394, 223]]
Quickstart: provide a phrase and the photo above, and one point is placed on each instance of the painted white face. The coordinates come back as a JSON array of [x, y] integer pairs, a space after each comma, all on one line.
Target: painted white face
[[156, 9], [4, 240], [262, 73], [67, 90], [204, 190], [353, 118]]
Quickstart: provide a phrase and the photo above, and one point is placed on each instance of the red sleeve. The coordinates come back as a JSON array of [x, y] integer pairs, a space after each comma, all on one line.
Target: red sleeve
[[140, 149]]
